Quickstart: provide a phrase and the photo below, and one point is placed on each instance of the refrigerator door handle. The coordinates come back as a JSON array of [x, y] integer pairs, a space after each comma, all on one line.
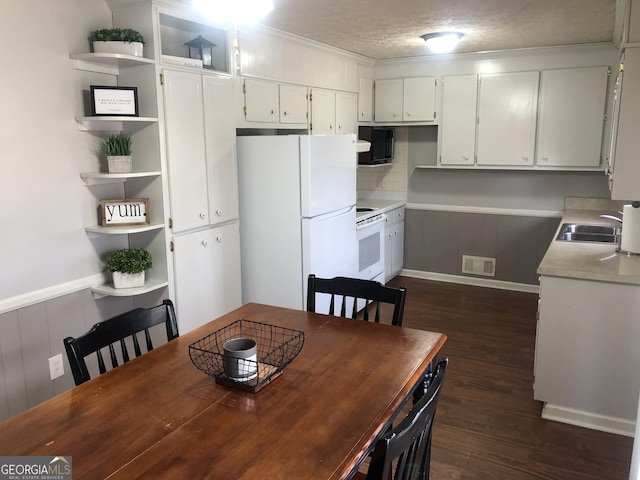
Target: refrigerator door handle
[[335, 213]]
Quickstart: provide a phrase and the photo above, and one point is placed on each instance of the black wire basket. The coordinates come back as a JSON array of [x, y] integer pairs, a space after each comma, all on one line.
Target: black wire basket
[[276, 348]]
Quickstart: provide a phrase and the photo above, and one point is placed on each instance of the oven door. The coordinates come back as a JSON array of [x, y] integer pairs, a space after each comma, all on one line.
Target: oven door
[[371, 248]]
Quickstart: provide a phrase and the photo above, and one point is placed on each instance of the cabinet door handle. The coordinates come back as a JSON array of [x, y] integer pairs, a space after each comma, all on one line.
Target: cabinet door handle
[[284, 113], [219, 238], [204, 243], [219, 213], [202, 215], [408, 114], [272, 112], [545, 159], [525, 159]]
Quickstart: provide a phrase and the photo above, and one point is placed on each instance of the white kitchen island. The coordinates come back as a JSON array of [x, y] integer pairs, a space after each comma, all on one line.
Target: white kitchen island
[[588, 333]]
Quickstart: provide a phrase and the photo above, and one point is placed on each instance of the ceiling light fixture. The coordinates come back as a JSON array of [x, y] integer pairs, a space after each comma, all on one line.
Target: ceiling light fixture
[[235, 11], [442, 42]]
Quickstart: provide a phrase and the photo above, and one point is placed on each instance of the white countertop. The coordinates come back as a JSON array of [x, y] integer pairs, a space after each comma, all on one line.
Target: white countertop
[[589, 261], [384, 205]]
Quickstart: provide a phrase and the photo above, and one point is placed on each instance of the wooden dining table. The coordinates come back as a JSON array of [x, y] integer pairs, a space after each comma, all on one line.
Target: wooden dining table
[[158, 417]]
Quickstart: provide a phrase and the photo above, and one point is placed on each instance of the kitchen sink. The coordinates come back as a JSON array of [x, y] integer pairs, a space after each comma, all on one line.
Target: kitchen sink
[[582, 232]]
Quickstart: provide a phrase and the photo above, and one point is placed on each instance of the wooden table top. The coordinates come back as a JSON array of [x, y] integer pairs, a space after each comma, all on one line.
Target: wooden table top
[[158, 416]]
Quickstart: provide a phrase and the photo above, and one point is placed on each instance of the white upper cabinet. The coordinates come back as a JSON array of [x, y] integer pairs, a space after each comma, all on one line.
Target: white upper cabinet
[[203, 183], [184, 125], [419, 99], [458, 121], [293, 104], [365, 100], [625, 175], [220, 142], [346, 112], [405, 100], [261, 101], [323, 111], [507, 118], [571, 117], [388, 100]]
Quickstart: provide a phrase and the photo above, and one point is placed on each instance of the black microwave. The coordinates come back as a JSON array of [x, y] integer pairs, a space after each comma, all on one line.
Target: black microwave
[[381, 150]]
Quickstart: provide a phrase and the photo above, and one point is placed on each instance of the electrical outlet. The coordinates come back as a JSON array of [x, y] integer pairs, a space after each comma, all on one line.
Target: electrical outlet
[[56, 369]]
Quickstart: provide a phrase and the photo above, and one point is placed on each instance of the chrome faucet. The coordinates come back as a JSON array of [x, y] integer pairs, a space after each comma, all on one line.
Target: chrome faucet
[[612, 217]]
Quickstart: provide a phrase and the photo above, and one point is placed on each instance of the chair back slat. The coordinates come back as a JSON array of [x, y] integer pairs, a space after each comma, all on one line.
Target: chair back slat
[[356, 289], [117, 330], [101, 366], [124, 350], [147, 337], [404, 452]]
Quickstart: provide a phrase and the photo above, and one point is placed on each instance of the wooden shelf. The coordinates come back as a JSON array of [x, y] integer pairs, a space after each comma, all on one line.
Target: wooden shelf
[[124, 230], [98, 178], [107, 62], [150, 285], [112, 124]]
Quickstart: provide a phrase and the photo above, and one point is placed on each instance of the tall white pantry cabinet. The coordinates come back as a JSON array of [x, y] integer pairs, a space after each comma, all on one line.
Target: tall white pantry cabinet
[[196, 109], [203, 196]]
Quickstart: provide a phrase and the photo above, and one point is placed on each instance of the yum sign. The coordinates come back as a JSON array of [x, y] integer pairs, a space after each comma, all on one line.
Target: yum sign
[[131, 211]]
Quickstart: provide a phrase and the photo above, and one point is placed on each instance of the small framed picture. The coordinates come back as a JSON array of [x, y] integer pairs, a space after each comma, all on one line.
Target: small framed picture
[[114, 101], [128, 211]]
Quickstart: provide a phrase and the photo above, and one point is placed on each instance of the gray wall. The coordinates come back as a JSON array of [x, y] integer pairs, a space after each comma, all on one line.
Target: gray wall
[[31, 335], [509, 189], [436, 240]]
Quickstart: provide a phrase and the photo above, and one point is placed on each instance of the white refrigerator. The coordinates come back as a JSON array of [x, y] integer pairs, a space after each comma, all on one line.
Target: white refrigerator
[[297, 214]]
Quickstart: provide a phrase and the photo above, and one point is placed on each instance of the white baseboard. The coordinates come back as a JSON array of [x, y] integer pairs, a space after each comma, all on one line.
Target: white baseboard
[[44, 294], [594, 421], [478, 282]]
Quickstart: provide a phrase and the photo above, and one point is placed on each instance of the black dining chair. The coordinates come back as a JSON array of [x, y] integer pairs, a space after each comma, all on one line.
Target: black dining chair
[[404, 452], [343, 288], [122, 329]]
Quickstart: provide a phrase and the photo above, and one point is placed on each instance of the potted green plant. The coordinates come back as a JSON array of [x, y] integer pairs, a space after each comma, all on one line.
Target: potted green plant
[[117, 40], [128, 266], [117, 147]]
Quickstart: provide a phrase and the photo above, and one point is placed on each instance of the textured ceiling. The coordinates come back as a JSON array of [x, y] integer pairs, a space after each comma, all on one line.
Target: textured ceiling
[[391, 28]]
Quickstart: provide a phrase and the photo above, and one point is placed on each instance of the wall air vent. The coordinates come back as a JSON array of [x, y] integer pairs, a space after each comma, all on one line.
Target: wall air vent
[[479, 265]]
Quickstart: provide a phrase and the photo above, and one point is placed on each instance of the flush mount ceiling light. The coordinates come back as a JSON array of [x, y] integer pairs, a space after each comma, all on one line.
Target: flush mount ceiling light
[[235, 11], [442, 42]]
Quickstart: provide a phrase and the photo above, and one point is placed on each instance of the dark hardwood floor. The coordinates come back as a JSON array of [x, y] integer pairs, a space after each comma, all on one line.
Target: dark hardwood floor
[[488, 426]]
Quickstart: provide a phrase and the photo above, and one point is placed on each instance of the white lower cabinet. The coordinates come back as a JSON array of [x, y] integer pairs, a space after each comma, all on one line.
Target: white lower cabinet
[[394, 243], [586, 353], [207, 275]]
